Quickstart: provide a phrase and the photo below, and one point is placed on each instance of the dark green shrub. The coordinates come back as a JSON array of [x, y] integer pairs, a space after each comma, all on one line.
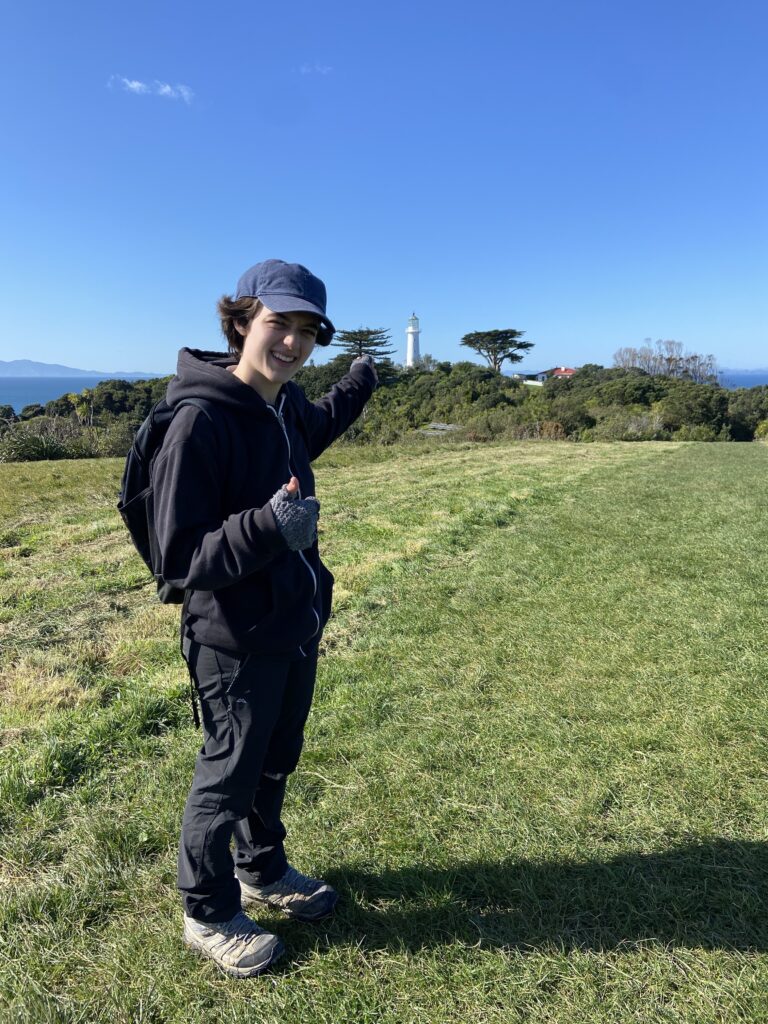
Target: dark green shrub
[[626, 423], [695, 432], [47, 438], [746, 408], [688, 404], [31, 411]]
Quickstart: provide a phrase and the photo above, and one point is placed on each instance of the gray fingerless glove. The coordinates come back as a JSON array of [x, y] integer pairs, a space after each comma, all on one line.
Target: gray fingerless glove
[[369, 361], [296, 518]]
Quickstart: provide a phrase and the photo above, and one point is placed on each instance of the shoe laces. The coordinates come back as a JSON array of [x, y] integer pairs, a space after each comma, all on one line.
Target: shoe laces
[[241, 929], [296, 882], [240, 926]]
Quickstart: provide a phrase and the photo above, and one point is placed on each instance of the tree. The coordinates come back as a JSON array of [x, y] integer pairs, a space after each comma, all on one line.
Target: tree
[[59, 407], [426, 363], [30, 411], [317, 381], [689, 404], [371, 341], [746, 409], [83, 405], [498, 346], [112, 396], [668, 360]]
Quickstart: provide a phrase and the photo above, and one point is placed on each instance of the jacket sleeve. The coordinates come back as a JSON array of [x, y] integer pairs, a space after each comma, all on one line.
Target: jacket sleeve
[[328, 417], [199, 546]]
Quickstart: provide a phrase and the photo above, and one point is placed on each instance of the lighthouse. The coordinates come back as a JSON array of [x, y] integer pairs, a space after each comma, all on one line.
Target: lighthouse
[[412, 334]]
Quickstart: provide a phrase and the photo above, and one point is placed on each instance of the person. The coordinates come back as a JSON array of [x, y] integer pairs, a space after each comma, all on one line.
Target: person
[[236, 522]]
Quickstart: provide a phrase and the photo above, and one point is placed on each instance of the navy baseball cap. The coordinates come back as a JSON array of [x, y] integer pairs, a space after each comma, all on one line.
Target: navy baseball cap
[[287, 288]]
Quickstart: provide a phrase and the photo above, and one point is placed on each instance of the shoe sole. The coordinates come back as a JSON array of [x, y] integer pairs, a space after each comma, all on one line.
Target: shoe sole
[[236, 972]]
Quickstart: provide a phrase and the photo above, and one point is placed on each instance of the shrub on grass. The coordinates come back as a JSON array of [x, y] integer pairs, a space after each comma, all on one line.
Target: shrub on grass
[[23, 446], [115, 440], [695, 432], [47, 437], [627, 423], [541, 430]]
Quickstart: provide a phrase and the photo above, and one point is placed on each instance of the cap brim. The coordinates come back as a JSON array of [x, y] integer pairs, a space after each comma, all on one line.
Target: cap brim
[[291, 304]]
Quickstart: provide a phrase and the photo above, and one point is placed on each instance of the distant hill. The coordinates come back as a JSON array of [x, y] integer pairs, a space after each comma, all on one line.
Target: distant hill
[[29, 368]]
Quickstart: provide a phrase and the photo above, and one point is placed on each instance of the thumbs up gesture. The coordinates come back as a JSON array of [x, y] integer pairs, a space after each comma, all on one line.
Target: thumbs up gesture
[[296, 517]]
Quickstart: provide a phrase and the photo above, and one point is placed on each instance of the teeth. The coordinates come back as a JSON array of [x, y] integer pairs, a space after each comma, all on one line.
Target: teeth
[[284, 359]]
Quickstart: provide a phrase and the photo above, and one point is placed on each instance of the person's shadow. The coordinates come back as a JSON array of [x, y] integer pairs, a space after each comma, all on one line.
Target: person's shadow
[[708, 896]]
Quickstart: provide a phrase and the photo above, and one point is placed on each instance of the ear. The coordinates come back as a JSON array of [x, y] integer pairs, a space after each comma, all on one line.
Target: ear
[[242, 328]]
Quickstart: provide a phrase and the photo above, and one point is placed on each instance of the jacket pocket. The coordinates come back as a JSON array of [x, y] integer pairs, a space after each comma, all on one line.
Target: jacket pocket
[[292, 590], [237, 610]]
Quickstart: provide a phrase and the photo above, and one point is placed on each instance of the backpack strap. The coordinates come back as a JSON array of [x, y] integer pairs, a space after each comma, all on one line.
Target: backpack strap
[[218, 421]]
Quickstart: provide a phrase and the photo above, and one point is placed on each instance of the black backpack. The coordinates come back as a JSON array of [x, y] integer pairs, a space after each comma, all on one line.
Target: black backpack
[[136, 502]]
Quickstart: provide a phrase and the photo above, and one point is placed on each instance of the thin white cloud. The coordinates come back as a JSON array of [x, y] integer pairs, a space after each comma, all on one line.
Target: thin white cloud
[[156, 88], [133, 86], [315, 69]]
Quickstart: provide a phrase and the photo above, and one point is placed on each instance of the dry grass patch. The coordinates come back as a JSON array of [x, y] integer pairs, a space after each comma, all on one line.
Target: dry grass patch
[[33, 690]]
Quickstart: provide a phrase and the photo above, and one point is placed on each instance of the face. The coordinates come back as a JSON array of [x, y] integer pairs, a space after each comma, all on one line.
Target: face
[[276, 346]]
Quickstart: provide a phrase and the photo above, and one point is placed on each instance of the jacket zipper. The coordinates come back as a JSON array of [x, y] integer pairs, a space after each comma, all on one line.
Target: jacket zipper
[[279, 414]]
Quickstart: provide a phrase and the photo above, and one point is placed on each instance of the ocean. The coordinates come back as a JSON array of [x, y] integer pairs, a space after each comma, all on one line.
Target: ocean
[[743, 378], [20, 391]]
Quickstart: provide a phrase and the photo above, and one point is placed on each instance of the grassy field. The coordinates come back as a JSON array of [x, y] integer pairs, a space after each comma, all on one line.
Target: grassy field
[[535, 769]]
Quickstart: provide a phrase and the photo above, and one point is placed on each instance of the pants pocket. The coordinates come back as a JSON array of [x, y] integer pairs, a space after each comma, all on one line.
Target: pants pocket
[[230, 665]]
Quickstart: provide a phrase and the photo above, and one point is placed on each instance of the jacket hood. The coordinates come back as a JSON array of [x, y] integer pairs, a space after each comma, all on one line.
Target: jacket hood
[[206, 375]]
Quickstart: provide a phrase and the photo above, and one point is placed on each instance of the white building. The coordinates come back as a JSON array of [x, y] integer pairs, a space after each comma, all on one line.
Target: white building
[[412, 334]]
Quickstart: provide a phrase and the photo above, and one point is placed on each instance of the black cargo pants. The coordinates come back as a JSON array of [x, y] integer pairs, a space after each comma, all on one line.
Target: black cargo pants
[[253, 712]]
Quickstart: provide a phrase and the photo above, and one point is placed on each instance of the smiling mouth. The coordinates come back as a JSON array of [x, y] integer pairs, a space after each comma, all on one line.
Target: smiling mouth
[[282, 358]]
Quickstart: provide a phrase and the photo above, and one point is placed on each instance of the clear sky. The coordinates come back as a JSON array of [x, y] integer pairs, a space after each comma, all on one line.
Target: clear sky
[[591, 172]]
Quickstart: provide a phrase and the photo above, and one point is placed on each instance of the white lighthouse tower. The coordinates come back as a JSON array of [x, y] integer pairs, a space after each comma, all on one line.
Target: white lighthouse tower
[[412, 333]]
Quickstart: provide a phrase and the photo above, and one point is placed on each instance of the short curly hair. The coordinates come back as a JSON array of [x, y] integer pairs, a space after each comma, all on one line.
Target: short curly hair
[[234, 312]]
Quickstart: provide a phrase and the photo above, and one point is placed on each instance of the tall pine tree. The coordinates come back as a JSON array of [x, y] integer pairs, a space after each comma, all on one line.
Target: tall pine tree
[[371, 341]]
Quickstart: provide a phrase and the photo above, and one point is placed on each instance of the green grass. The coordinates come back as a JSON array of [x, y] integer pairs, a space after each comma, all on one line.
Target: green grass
[[535, 767]]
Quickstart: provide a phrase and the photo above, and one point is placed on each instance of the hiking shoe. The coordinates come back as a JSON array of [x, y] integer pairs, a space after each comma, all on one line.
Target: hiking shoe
[[305, 899], [239, 947]]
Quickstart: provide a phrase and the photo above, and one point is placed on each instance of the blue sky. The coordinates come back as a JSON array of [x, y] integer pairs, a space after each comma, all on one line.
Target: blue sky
[[593, 173]]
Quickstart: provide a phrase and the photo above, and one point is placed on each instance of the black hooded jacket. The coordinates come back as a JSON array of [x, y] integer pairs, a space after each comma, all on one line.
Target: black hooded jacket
[[213, 479]]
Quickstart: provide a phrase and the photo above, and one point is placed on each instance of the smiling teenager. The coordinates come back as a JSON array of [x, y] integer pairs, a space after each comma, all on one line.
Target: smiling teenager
[[275, 346], [236, 522]]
